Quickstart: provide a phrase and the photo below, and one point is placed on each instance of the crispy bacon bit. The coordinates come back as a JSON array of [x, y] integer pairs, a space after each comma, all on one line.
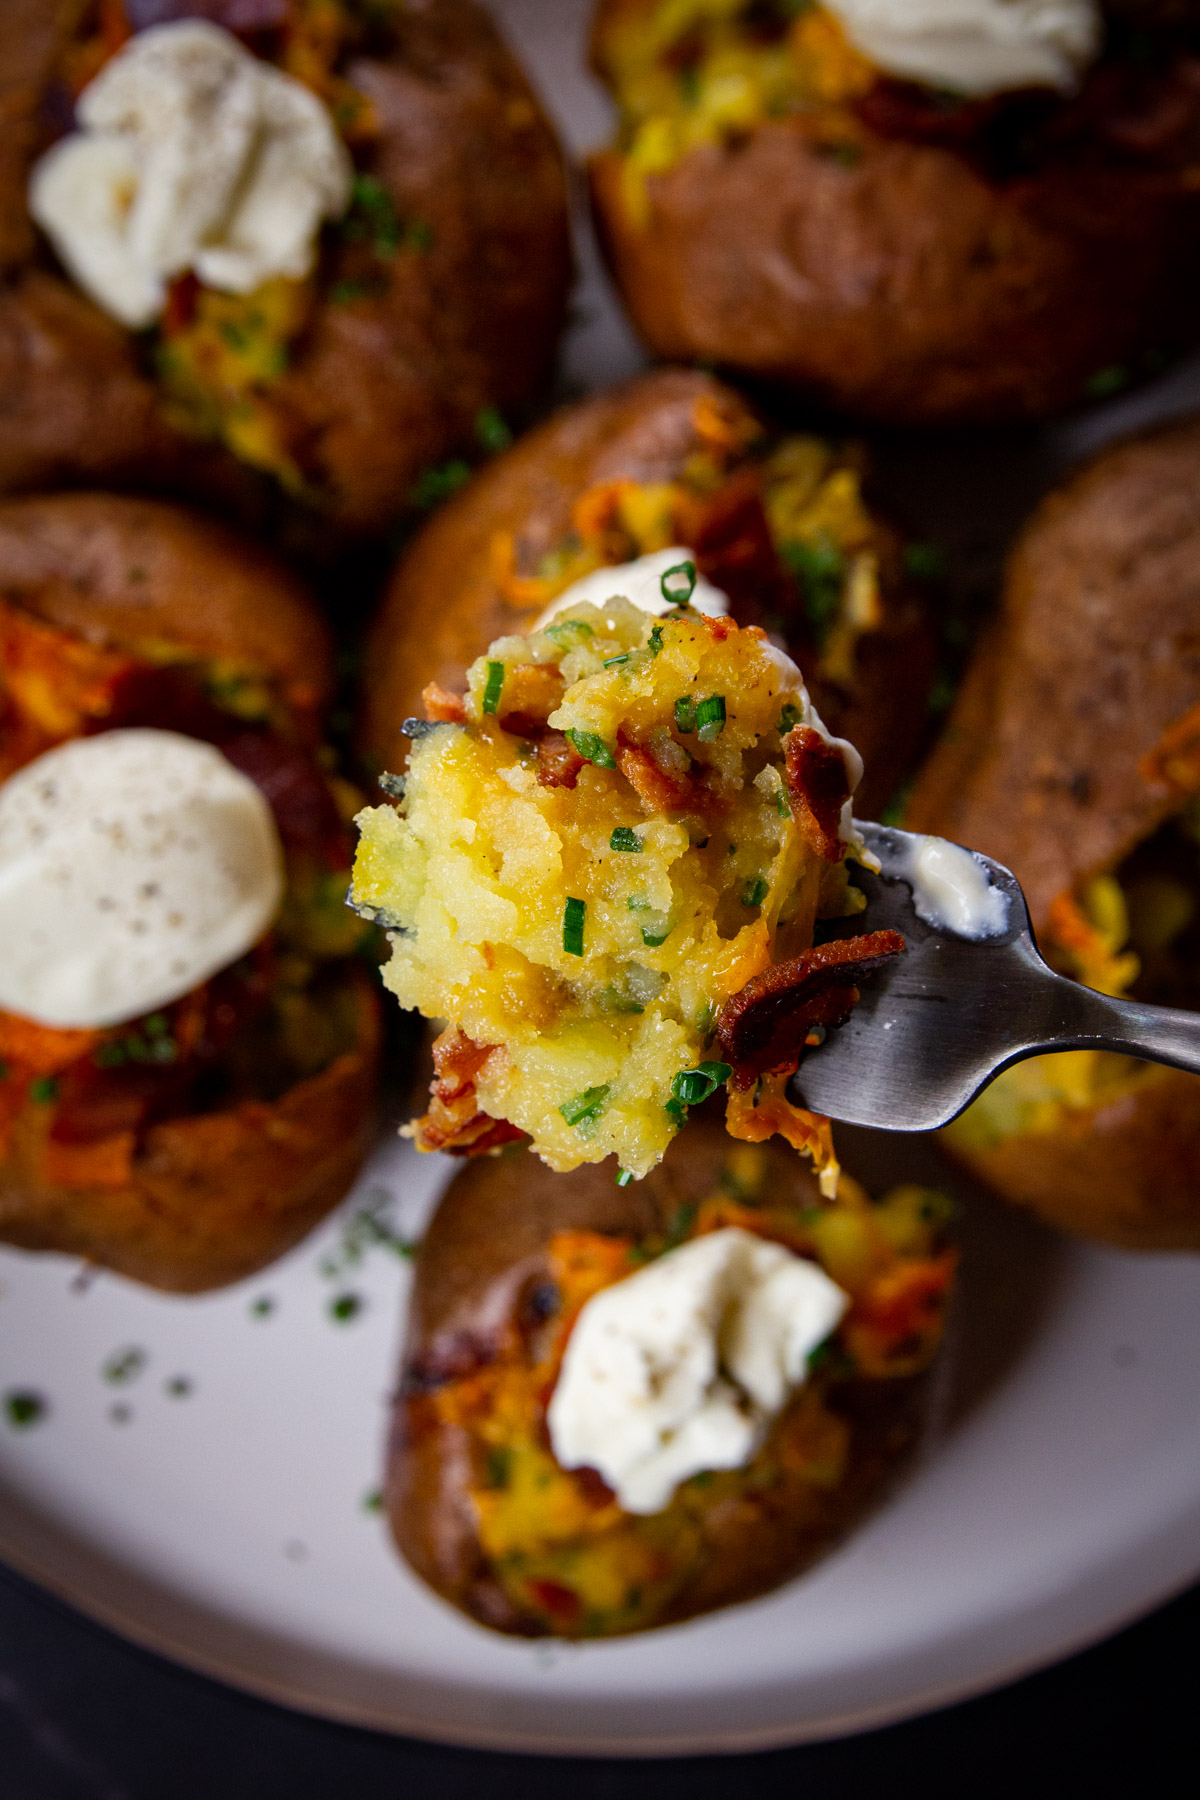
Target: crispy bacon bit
[[734, 549], [531, 693], [818, 788], [1174, 762], [764, 1026], [896, 1323], [454, 1122], [655, 788], [757, 1113], [443, 707], [52, 686], [558, 761]]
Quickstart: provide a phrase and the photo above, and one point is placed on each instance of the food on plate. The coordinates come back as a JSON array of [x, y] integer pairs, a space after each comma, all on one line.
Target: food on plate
[[916, 210], [623, 1407], [603, 873], [308, 246], [189, 1035], [1073, 756], [670, 466]]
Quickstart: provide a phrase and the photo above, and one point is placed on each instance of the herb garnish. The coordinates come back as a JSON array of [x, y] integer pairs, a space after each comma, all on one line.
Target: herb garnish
[[574, 914], [592, 747]]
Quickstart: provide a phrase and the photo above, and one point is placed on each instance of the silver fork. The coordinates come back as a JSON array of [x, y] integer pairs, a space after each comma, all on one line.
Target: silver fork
[[940, 1022]]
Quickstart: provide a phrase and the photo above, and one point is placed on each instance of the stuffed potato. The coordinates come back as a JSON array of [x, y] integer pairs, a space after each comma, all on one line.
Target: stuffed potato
[[781, 204], [1074, 756], [190, 1141], [432, 296], [478, 1502], [673, 458]]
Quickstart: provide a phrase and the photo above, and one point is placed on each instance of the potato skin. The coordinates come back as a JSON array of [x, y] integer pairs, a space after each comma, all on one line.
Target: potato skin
[[906, 287], [377, 389], [486, 1244], [1095, 657], [215, 1196], [443, 606]]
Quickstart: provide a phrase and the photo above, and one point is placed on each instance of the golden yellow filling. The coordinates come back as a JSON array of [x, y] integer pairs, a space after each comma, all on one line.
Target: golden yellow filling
[[566, 1554], [590, 932]]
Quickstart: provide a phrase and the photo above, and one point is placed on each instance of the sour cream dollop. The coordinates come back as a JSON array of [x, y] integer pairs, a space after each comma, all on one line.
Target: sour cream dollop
[[682, 1366], [133, 865], [953, 891], [639, 582], [976, 47], [193, 154]]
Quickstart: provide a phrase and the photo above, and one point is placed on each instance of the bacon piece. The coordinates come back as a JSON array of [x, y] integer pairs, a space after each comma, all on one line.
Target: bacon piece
[[443, 707], [558, 761], [655, 788], [764, 1026], [454, 1122], [818, 788], [531, 693], [734, 549], [755, 1114], [1174, 762]]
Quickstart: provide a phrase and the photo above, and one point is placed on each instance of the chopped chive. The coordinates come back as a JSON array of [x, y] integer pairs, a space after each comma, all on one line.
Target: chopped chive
[[495, 682], [653, 939], [614, 662], [3, 1071], [592, 748], [44, 1090], [22, 1408], [1106, 381], [789, 718], [585, 1108], [345, 1307], [437, 484], [568, 625], [685, 715], [124, 1365], [691, 1086], [373, 1502], [676, 1108], [156, 1025], [782, 805], [110, 1055], [624, 837], [710, 718], [678, 583], [491, 430], [654, 643], [624, 1177], [574, 914], [755, 891], [925, 562], [262, 1308]]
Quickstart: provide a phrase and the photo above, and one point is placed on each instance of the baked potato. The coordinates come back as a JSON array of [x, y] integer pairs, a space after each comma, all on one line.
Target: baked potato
[[433, 308], [477, 1501], [777, 204], [674, 457], [1073, 756], [193, 1144]]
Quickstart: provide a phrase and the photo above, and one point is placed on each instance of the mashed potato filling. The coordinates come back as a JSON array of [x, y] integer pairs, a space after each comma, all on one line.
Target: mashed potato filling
[[593, 852]]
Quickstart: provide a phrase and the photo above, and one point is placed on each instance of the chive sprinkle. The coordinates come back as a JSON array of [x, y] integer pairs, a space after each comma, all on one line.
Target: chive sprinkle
[[755, 891], [614, 662], [685, 715], [44, 1090], [495, 682], [592, 747], [624, 837], [654, 643], [710, 718], [585, 1108], [678, 583], [624, 1177], [691, 1086], [574, 914], [23, 1408], [789, 718], [653, 939]]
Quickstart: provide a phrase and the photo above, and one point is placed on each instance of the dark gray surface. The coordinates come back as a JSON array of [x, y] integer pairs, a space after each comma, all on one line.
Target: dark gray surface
[[85, 1717]]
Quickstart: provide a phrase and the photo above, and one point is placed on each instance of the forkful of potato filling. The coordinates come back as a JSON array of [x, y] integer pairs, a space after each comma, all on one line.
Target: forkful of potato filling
[[603, 872]]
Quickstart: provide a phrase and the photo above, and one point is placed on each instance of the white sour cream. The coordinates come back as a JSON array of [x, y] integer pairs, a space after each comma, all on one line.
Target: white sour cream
[[640, 583], [976, 47], [193, 154], [953, 891], [682, 1366], [133, 865]]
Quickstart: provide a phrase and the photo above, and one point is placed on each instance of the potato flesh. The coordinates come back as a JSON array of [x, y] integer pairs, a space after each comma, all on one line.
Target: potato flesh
[[477, 870]]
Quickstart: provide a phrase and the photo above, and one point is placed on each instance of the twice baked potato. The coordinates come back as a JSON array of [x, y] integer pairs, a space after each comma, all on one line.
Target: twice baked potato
[[478, 1502], [433, 307], [777, 522], [781, 206], [1073, 756], [191, 1144]]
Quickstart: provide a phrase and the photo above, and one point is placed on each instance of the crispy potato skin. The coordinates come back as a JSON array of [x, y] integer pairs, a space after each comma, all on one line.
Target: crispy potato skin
[[906, 287], [216, 1196], [1095, 657], [126, 572], [486, 1243], [376, 390], [443, 606]]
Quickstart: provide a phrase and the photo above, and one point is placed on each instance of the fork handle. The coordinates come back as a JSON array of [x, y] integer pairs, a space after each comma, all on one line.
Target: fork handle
[[1090, 1021]]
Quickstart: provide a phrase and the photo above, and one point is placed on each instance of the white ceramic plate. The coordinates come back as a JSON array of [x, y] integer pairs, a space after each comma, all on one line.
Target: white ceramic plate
[[198, 1479]]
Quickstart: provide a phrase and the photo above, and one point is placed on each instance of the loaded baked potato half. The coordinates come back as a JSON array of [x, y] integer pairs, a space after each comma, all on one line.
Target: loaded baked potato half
[[623, 1407], [969, 211], [309, 246], [189, 1036], [672, 465], [1073, 756]]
